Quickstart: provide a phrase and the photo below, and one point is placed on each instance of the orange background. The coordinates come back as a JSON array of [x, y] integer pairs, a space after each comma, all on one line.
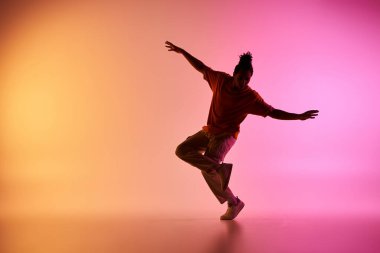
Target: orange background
[[92, 106]]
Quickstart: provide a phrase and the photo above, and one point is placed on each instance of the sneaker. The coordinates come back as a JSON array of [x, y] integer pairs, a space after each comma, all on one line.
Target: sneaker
[[224, 173], [233, 210]]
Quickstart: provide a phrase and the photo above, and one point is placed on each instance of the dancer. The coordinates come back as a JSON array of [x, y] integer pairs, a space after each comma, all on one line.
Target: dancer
[[231, 102]]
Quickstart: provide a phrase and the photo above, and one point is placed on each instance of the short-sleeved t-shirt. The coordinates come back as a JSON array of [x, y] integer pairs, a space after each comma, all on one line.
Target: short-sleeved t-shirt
[[230, 107]]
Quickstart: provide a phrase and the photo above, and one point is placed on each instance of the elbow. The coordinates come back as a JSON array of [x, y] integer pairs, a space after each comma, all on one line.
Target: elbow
[[273, 113], [202, 68]]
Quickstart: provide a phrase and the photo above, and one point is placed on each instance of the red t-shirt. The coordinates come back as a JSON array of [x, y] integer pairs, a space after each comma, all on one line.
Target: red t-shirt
[[229, 107]]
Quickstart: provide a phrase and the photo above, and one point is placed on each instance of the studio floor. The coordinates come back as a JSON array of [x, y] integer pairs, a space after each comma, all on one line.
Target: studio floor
[[204, 235]]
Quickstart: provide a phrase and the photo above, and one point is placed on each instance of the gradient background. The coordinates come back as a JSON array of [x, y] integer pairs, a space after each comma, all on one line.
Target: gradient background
[[92, 106]]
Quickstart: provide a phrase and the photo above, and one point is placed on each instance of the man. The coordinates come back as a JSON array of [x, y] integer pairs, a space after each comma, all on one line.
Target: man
[[231, 102]]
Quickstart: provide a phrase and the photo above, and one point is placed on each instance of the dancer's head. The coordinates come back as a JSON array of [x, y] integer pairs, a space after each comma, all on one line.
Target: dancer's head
[[243, 71]]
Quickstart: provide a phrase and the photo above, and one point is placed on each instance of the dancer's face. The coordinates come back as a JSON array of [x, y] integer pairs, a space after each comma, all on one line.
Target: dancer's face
[[241, 79]]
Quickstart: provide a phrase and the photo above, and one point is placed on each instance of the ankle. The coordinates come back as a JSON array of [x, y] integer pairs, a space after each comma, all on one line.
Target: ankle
[[233, 202]]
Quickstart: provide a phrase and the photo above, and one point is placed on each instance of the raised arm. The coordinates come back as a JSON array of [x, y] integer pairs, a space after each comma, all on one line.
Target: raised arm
[[197, 64], [279, 114]]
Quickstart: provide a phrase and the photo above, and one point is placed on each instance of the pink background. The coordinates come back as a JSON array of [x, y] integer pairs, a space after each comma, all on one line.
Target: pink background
[[92, 106]]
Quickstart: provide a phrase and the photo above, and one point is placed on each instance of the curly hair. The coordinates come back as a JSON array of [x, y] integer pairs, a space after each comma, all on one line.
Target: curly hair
[[245, 63]]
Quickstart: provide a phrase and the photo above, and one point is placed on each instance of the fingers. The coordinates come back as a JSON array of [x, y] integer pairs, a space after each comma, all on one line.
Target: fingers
[[311, 116], [312, 113], [170, 46]]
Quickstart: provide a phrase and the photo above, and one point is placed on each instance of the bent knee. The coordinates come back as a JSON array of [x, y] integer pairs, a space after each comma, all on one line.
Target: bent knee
[[179, 151]]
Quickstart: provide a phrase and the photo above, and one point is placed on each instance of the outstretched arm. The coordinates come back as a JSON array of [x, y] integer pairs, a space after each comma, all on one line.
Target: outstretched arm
[[279, 114], [197, 64]]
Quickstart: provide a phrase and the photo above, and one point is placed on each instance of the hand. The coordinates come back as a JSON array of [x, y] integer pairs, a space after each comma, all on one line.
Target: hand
[[173, 47], [309, 115]]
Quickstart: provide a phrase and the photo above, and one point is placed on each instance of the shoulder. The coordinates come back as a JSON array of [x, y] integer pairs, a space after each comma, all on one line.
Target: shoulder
[[254, 93], [210, 73], [212, 70], [225, 74]]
